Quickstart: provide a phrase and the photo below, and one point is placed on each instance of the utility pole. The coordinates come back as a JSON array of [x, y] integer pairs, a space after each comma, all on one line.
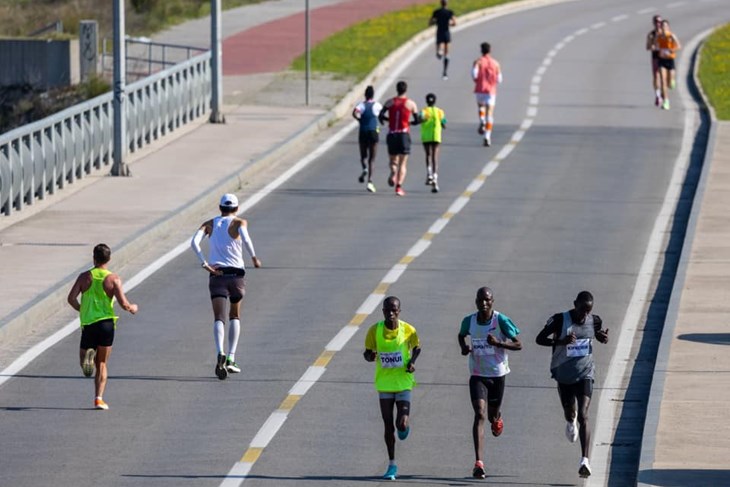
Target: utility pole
[[307, 56], [119, 106], [216, 65]]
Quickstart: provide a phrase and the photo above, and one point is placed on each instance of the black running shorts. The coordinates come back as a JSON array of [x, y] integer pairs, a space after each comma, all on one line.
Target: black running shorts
[[666, 64], [568, 392], [443, 37], [368, 137], [230, 285], [490, 389], [399, 143], [99, 334]]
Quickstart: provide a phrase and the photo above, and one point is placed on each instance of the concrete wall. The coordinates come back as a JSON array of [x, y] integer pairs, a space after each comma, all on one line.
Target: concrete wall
[[41, 63]]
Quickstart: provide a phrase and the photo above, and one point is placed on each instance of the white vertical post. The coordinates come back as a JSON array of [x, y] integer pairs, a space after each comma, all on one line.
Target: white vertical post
[[216, 65], [307, 57], [119, 167]]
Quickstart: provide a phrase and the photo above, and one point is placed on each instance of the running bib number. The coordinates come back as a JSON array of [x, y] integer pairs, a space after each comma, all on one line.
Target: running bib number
[[391, 360], [479, 346], [580, 348]]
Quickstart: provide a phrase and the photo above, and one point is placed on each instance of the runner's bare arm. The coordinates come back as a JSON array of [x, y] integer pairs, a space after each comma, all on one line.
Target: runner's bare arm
[[118, 291], [356, 114], [465, 349], [76, 289], [515, 344], [383, 115], [544, 338], [369, 355], [601, 334], [411, 366]]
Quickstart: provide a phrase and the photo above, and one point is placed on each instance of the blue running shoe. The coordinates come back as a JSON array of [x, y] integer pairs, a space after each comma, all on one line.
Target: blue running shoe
[[402, 435], [391, 473]]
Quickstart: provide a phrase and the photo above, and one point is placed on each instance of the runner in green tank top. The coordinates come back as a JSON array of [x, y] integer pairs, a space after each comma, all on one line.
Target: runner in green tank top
[[98, 288], [394, 347], [433, 121]]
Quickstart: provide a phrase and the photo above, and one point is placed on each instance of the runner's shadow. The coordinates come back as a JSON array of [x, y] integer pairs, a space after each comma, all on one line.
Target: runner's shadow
[[711, 338], [42, 408]]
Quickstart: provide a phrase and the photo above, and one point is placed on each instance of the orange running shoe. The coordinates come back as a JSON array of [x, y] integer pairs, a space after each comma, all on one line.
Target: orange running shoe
[[497, 427], [100, 404]]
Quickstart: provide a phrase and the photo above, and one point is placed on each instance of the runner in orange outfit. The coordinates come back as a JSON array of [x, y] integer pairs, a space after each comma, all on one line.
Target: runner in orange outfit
[[486, 74], [668, 45], [651, 45]]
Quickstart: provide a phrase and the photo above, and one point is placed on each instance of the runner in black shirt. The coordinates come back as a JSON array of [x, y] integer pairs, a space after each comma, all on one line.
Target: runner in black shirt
[[443, 19]]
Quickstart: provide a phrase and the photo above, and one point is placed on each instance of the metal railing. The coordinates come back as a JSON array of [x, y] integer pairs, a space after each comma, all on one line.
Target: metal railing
[[44, 156], [145, 57]]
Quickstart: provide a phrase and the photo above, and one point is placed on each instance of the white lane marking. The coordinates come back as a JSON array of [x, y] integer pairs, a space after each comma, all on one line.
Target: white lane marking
[[236, 473], [646, 10], [502, 154], [531, 111], [458, 205], [541, 70], [309, 377], [526, 124], [418, 248], [370, 304], [582, 31], [676, 4], [397, 270], [342, 337], [559, 45], [598, 25], [492, 166], [620, 361], [269, 429], [552, 53], [517, 136], [534, 89], [475, 185], [534, 100], [547, 61], [536, 79], [568, 38], [619, 18], [438, 225]]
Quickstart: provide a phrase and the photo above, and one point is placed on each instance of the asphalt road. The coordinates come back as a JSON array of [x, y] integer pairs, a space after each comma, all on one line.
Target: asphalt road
[[570, 208]]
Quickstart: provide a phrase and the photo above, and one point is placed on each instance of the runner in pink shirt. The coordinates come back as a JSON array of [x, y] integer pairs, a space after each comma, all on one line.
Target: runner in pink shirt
[[486, 74]]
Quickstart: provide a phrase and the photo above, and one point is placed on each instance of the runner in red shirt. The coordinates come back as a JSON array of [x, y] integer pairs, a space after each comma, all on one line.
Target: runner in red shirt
[[400, 112]]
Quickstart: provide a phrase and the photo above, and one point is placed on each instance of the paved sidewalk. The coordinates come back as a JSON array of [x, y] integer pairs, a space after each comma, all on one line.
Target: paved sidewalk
[[691, 413]]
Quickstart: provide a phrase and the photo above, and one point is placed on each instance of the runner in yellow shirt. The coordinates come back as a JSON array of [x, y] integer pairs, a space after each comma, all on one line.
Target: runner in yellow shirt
[[433, 121], [394, 347], [98, 287]]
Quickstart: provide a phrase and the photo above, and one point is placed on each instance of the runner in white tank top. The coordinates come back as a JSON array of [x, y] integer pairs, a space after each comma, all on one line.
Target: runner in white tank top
[[228, 235]]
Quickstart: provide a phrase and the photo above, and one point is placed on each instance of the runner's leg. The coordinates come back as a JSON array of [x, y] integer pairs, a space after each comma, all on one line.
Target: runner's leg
[[584, 402], [386, 411], [102, 356]]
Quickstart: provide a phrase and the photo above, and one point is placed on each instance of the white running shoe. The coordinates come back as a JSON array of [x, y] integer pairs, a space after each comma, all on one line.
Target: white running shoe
[[88, 365], [571, 431], [585, 468]]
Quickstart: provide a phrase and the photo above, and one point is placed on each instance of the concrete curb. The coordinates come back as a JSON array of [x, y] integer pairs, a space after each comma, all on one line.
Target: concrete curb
[[53, 298], [656, 393]]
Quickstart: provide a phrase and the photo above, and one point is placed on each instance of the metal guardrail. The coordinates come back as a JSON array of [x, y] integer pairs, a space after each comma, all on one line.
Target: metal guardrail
[[145, 56], [44, 156]]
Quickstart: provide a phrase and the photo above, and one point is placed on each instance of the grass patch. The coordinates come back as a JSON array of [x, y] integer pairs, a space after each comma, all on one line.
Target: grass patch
[[714, 71], [143, 17], [356, 50]]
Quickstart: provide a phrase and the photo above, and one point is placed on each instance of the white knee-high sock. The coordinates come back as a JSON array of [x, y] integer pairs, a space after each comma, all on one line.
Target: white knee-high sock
[[234, 331], [219, 330]]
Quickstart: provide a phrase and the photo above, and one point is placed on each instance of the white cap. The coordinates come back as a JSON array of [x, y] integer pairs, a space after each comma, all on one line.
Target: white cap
[[229, 200]]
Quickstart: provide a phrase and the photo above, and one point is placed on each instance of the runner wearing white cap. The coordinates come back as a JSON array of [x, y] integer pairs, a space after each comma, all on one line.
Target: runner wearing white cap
[[228, 235]]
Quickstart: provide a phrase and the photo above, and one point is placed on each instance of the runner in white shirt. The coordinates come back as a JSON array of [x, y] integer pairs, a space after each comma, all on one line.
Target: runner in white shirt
[[228, 235]]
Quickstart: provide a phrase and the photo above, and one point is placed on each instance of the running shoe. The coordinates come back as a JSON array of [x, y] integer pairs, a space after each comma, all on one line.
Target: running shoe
[[391, 473], [88, 365], [481, 128], [232, 367], [363, 176], [429, 180], [665, 105], [399, 191], [657, 101], [391, 180], [220, 367], [497, 427], [672, 84], [487, 142], [479, 472], [585, 468], [435, 187], [371, 187], [571, 431], [402, 435], [445, 77], [100, 404]]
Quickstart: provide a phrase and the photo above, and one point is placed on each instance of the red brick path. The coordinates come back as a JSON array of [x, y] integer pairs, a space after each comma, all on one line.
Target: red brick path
[[273, 46]]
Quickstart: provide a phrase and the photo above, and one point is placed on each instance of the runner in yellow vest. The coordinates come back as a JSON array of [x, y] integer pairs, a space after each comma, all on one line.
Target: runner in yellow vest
[[98, 287], [433, 121], [394, 347]]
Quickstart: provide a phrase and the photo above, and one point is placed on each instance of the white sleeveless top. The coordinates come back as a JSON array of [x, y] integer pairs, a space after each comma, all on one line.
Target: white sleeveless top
[[224, 250]]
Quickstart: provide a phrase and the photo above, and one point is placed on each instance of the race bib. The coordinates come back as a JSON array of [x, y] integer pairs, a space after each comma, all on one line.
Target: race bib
[[479, 346], [391, 360], [580, 348]]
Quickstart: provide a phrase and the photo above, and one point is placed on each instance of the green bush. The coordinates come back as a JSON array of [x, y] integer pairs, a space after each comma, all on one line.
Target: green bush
[[714, 71]]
